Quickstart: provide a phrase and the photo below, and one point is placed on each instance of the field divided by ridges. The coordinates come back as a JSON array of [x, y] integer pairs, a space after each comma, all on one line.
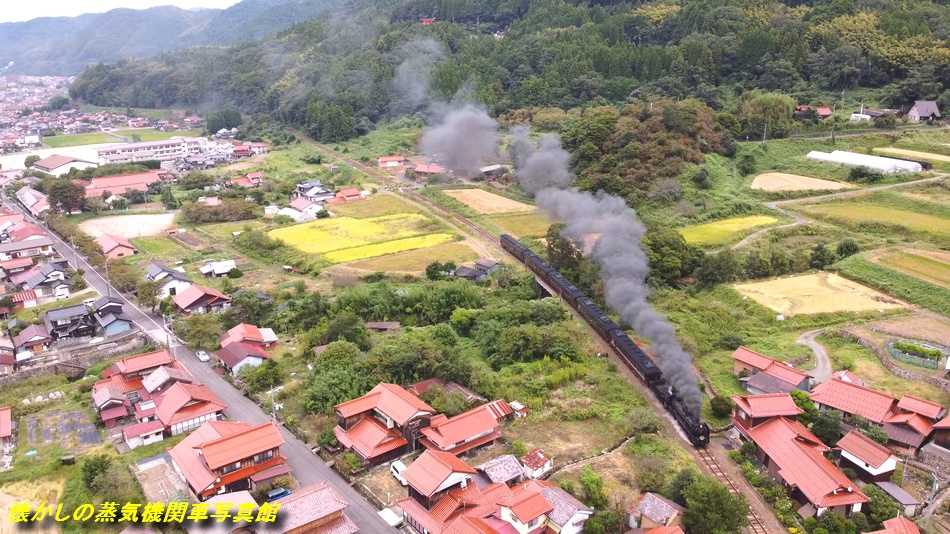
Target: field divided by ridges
[[900, 285]]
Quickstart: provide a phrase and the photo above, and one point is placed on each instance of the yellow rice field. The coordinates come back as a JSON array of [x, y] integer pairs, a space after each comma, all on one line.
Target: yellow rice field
[[817, 293], [780, 181], [900, 152], [720, 230], [388, 247], [328, 235]]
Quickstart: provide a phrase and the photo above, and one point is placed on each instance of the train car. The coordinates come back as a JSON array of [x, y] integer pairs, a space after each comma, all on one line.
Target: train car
[[596, 317], [638, 361], [513, 247], [696, 430], [564, 287], [537, 265]]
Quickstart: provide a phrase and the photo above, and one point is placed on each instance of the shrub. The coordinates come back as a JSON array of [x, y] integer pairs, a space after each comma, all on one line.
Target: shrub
[[918, 350], [730, 341], [721, 406], [747, 449], [235, 273]]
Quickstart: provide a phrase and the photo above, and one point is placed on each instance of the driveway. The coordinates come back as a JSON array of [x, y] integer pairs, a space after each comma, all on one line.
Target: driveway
[[822, 369], [308, 467]]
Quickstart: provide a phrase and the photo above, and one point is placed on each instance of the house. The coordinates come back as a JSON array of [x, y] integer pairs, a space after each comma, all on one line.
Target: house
[[31, 199], [468, 273], [220, 457], [419, 389], [389, 161], [144, 433], [122, 387], [69, 321], [463, 433], [907, 501], [767, 375], [487, 266], [313, 190], [199, 299], [753, 410], [650, 510], [7, 358], [57, 165], [114, 246], [872, 461], [6, 427], [29, 248], [504, 469], [23, 300], [49, 282], [383, 424], [848, 376], [209, 201], [110, 317], [239, 354], [217, 269], [306, 206], [248, 333], [924, 110], [171, 281], [433, 474], [823, 112], [295, 215], [536, 463], [898, 525], [316, 509], [795, 459], [349, 194], [118, 184], [184, 407], [427, 170], [383, 326]]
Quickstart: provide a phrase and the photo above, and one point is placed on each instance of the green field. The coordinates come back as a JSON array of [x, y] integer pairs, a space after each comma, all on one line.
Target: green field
[[150, 134], [224, 230], [868, 213], [160, 246], [903, 286], [721, 230], [417, 260], [60, 141], [375, 206], [923, 267], [523, 224], [397, 137]]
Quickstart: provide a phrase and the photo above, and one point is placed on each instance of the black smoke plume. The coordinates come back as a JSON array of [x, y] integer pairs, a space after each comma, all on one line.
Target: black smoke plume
[[541, 166], [463, 139]]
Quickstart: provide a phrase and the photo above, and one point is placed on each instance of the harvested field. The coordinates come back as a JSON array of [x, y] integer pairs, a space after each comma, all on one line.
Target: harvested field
[[128, 225], [387, 247], [720, 230], [416, 261], [862, 212], [485, 202], [922, 327], [817, 293], [930, 265], [926, 156], [523, 224], [779, 181]]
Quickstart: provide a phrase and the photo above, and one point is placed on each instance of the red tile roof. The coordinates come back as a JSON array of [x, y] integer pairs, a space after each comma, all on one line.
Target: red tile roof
[[785, 373], [798, 454], [851, 398], [140, 429], [348, 192], [864, 448], [898, 525], [769, 405], [234, 353], [244, 444], [15, 263], [919, 424], [185, 454], [944, 423], [114, 413], [462, 427], [23, 296], [245, 331], [390, 399], [309, 506], [535, 459], [432, 469], [301, 203], [141, 362], [429, 169], [751, 357], [527, 505], [118, 184], [370, 438], [499, 409], [189, 296], [121, 384], [108, 243], [385, 159], [6, 422], [930, 410], [184, 402]]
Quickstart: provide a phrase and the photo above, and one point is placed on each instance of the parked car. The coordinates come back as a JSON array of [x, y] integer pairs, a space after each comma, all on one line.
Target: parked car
[[277, 493], [203, 356], [89, 302], [397, 469]]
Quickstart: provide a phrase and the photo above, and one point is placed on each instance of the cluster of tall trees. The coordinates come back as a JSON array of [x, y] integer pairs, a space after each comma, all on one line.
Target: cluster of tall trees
[[334, 76]]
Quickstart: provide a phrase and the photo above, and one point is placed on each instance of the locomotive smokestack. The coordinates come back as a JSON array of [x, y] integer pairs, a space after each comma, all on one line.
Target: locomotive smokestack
[[624, 264]]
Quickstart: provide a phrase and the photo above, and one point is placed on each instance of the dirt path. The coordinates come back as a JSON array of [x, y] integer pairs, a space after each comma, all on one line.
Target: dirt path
[[799, 220], [821, 372], [937, 502]]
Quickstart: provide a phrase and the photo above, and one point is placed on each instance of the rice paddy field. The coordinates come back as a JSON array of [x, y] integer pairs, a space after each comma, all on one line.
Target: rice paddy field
[[415, 261], [486, 202], [877, 214], [780, 181], [531, 224], [717, 231], [914, 154], [930, 265], [817, 293]]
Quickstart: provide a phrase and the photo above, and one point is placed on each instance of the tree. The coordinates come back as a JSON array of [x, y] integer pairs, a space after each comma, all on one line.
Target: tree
[[594, 494], [201, 331], [881, 507], [168, 198], [94, 466], [226, 118], [877, 434], [719, 268], [450, 403], [803, 401], [147, 293], [827, 427], [65, 194], [435, 271], [821, 256], [685, 478], [562, 253], [346, 326], [30, 160], [711, 509], [847, 247], [121, 276], [701, 178], [262, 377], [721, 406]]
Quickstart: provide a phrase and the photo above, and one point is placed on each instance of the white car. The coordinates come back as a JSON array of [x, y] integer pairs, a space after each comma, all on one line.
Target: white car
[[203, 356], [396, 469]]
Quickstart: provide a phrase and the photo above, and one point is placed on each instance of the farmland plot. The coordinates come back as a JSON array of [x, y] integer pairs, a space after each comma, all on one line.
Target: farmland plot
[[817, 293], [720, 230], [930, 265], [780, 181], [487, 203]]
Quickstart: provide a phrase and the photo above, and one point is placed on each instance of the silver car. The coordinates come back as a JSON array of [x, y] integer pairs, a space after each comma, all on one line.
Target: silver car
[[203, 356]]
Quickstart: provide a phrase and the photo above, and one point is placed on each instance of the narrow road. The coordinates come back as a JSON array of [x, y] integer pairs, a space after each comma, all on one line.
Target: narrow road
[[799, 220], [821, 372], [308, 467]]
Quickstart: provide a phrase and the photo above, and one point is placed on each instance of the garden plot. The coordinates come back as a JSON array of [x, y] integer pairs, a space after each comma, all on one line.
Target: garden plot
[[922, 327], [868, 213], [780, 181], [485, 202], [128, 225], [930, 265], [817, 293], [417, 260], [721, 230], [71, 429], [926, 156]]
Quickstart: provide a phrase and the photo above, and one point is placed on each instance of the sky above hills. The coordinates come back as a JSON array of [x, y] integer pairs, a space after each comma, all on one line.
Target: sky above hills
[[20, 11]]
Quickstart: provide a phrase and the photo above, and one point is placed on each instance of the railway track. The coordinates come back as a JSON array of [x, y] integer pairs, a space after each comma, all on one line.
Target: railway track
[[755, 525]]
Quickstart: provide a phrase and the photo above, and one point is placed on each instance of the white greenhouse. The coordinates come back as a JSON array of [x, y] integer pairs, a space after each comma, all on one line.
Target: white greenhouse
[[885, 165]]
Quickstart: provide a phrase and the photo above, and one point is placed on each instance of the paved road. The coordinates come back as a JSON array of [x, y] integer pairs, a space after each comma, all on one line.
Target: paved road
[[308, 467], [821, 372]]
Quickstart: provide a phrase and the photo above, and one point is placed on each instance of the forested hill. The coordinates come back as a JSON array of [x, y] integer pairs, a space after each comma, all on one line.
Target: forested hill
[[338, 75], [65, 45]]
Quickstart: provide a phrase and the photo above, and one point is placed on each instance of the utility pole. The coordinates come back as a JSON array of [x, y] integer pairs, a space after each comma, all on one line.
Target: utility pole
[[108, 283], [75, 254]]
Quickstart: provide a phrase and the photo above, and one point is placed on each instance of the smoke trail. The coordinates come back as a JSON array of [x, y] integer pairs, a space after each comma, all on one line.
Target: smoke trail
[[464, 139], [624, 265], [546, 165], [411, 82]]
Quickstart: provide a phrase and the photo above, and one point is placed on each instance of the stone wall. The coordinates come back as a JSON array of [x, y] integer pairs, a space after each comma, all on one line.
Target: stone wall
[[897, 371]]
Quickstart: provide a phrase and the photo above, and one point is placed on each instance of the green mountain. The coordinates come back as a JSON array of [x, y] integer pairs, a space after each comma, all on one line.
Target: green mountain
[[66, 45]]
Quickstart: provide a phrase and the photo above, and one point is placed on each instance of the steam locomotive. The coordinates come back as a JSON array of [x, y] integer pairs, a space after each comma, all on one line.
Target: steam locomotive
[[696, 430]]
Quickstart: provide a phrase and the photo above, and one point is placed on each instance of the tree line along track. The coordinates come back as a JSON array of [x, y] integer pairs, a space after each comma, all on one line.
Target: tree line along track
[[755, 525]]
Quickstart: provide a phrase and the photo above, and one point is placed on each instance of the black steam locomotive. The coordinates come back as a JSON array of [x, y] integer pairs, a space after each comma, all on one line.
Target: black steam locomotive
[[636, 359]]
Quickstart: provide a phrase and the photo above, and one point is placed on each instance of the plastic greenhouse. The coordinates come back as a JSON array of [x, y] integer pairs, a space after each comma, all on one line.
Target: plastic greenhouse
[[885, 165]]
